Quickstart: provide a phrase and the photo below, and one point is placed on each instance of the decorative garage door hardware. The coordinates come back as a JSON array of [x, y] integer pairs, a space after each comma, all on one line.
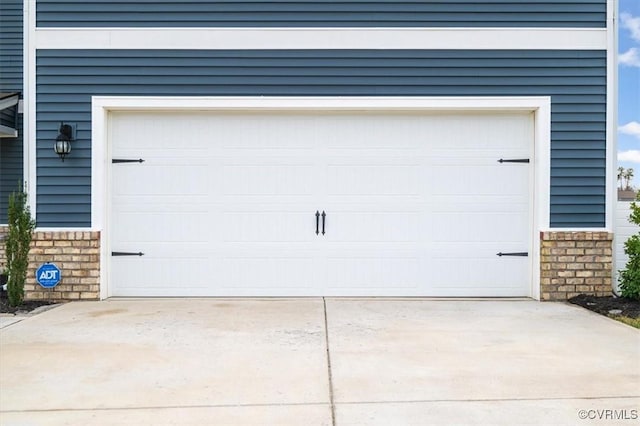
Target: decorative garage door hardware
[[521, 253], [126, 253], [517, 160], [324, 218], [124, 160]]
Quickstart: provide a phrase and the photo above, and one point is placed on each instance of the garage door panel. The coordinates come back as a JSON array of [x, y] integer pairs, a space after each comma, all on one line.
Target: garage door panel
[[268, 272], [357, 179], [161, 226], [488, 129], [477, 227], [268, 226], [479, 203], [374, 134], [416, 204], [215, 274], [268, 179], [166, 156], [384, 272], [158, 272], [160, 180], [367, 145], [480, 155], [373, 226], [151, 204], [478, 180], [264, 131], [474, 250]]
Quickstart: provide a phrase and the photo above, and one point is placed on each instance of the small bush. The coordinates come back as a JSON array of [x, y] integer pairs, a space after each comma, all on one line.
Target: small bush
[[21, 226], [630, 276]]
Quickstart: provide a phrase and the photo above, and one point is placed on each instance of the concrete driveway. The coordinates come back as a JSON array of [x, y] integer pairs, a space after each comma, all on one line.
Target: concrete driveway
[[319, 362]]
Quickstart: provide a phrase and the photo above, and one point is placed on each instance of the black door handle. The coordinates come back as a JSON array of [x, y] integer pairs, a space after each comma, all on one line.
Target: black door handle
[[317, 222], [324, 215]]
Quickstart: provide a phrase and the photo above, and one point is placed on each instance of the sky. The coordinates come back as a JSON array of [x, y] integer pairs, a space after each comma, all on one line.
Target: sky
[[629, 87]]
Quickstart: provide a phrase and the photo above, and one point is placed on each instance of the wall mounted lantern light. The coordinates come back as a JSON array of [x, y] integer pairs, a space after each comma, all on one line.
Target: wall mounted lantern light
[[62, 146]]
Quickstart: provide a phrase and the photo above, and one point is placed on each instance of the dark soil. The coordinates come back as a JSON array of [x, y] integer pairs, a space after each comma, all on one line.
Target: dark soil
[[27, 305], [609, 305]]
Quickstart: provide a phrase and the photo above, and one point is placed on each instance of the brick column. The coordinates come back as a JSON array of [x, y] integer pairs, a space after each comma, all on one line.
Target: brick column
[[575, 263], [76, 253]]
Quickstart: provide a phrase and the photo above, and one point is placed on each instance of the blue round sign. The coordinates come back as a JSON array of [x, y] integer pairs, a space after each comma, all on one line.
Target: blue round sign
[[48, 275]]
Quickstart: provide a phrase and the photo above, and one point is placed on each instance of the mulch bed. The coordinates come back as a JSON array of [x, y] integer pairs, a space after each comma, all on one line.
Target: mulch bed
[[609, 305], [26, 307]]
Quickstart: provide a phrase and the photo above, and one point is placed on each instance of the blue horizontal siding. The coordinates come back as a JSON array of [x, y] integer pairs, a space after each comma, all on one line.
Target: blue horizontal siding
[[322, 13], [575, 80], [10, 81]]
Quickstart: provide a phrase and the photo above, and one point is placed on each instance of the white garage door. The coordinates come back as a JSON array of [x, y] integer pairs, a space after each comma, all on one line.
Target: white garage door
[[307, 204]]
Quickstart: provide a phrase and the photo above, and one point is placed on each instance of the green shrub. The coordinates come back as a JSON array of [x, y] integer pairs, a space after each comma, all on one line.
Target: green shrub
[[17, 242], [630, 276]]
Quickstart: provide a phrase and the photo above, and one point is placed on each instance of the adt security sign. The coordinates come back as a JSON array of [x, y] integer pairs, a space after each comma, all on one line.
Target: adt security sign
[[48, 275]]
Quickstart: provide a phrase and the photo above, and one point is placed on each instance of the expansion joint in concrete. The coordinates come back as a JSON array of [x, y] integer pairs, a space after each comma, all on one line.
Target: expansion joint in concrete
[[326, 334]]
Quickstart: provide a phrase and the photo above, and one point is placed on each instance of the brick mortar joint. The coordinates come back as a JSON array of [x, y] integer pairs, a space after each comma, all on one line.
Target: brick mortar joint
[[576, 236]]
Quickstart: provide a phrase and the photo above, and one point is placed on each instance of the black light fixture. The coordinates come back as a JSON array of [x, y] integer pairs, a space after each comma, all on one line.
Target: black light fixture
[[62, 146]]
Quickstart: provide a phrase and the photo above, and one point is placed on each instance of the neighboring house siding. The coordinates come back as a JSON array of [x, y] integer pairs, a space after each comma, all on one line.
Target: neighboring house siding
[[11, 166], [8, 117], [576, 81], [322, 13], [10, 81]]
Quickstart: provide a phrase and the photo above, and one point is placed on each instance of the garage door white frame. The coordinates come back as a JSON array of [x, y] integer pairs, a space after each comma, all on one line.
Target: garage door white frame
[[540, 152]]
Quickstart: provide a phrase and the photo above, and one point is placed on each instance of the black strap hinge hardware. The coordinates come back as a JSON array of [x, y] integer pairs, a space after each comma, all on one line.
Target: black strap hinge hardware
[[521, 253], [125, 160], [126, 253], [516, 160]]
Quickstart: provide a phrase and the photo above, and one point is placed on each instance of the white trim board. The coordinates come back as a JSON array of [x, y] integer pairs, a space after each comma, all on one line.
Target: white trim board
[[29, 100], [331, 103], [611, 196], [101, 158], [322, 38]]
